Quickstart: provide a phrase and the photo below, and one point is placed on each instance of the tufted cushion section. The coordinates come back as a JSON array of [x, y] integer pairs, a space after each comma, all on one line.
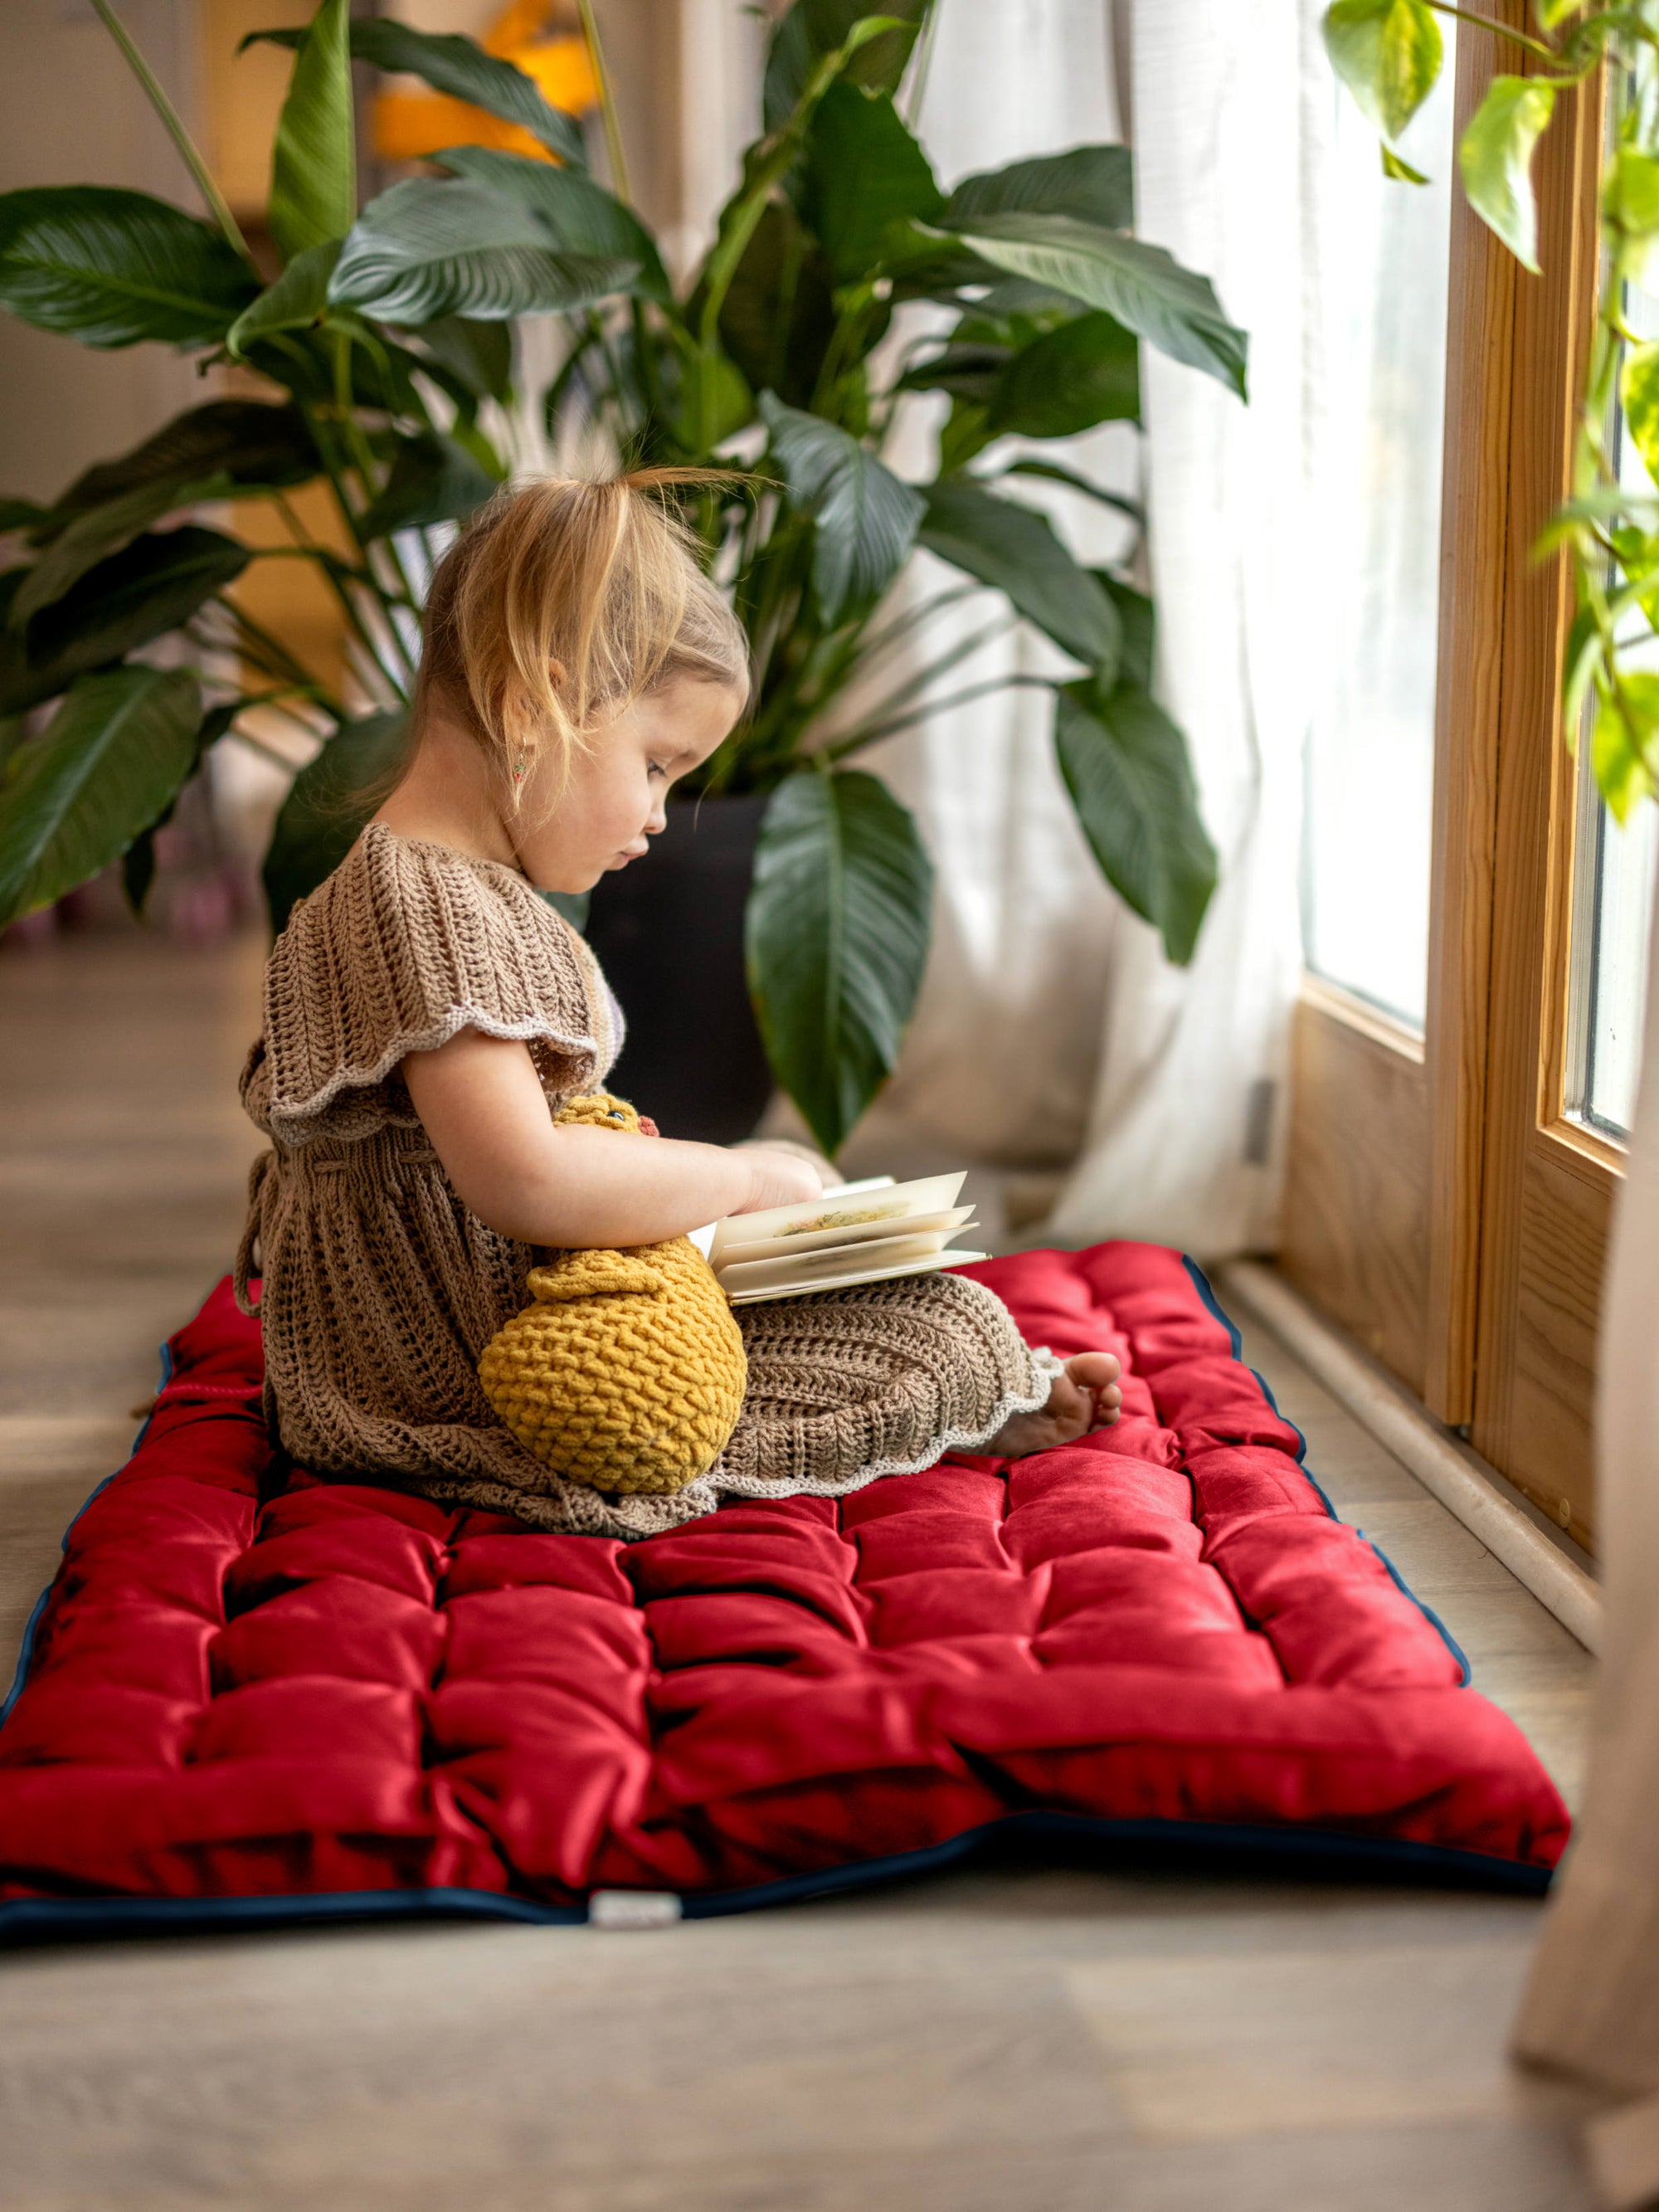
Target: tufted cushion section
[[248, 1684]]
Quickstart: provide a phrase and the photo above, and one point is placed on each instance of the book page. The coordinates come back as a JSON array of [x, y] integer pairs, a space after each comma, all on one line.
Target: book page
[[892, 1203], [768, 1247], [827, 1268]]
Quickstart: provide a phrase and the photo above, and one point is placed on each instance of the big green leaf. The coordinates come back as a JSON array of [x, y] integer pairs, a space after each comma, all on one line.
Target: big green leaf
[[709, 400], [579, 215], [1496, 159], [968, 369], [1015, 550], [838, 925], [1125, 764], [105, 767], [1624, 743], [1095, 184], [863, 518], [297, 299], [1139, 617], [425, 250], [1141, 285], [1086, 372], [479, 353], [99, 532], [1388, 52], [1638, 392], [325, 808], [1399, 171], [457, 65], [863, 172], [138, 861], [1630, 207], [148, 587], [769, 163], [1052, 472], [247, 440], [778, 315], [313, 167], [112, 268], [813, 28], [432, 480]]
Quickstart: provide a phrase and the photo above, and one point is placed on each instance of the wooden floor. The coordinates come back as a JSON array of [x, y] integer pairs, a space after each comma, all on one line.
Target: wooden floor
[[1007, 2039]]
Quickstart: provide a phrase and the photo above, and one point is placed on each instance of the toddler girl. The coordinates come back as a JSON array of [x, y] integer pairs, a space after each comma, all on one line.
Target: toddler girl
[[426, 1012]]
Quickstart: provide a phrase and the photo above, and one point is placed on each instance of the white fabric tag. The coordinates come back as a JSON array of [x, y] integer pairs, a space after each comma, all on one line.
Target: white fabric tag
[[633, 1908]]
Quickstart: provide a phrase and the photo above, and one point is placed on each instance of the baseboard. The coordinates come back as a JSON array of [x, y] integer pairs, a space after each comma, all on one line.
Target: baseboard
[[1474, 1493]]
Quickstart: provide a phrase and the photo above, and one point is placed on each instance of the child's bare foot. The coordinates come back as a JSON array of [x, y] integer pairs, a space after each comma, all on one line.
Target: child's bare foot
[[1085, 1397]]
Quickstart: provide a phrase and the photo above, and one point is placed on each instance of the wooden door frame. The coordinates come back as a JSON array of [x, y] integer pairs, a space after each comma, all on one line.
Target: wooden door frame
[[1548, 1182], [1382, 1224], [1440, 1204]]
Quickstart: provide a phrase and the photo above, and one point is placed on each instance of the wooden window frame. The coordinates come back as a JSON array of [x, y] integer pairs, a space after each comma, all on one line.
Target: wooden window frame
[[1441, 1205]]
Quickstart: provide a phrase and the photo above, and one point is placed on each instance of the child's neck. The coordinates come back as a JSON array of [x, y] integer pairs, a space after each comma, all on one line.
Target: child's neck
[[447, 797]]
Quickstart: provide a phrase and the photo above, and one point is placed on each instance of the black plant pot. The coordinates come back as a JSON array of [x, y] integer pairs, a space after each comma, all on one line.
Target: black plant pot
[[668, 932]]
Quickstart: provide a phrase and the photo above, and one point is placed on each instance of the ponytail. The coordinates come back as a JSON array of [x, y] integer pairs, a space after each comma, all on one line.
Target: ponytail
[[563, 601]]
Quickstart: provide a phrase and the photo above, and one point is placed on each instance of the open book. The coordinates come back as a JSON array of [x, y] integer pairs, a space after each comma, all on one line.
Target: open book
[[855, 1232]]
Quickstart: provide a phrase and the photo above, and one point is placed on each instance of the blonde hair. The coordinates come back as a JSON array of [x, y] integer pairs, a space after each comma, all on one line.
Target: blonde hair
[[599, 577]]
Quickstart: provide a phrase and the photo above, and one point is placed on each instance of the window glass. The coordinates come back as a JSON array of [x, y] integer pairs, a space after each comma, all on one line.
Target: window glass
[[1613, 874], [1373, 563], [1610, 981]]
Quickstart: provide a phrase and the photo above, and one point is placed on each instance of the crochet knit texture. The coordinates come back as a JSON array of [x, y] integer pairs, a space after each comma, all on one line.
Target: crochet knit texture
[[626, 1373], [381, 1290]]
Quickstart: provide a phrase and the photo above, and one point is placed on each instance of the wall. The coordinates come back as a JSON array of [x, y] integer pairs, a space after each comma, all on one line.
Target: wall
[[71, 113]]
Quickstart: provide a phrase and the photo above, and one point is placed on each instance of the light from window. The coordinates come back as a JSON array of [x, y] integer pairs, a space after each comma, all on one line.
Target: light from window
[[1614, 875], [1619, 869], [1373, 557]]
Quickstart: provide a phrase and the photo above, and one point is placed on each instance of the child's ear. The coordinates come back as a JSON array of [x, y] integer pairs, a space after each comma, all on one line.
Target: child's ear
[[556, 673]]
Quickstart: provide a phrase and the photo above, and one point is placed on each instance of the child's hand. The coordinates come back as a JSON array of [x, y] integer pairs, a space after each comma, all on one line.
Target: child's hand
[[823, 1169], [776, 1178]]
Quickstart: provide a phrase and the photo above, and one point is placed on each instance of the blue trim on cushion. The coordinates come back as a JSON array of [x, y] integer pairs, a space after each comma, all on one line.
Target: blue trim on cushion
[[1300, 1851], [1201, 1283], [32, 1625], [1451, 1642], [23, 1918]]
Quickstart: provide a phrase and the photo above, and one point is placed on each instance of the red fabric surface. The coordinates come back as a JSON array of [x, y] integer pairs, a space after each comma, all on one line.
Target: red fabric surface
[[245, 1683]]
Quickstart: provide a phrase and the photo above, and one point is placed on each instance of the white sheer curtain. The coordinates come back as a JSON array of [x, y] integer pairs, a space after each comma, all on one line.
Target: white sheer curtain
[[1593, 2007], [1230, 99], [1001, 1059], [1051, 1033]]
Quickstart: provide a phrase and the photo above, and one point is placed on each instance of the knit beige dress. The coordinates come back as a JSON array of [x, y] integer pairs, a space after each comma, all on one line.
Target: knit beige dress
[[381, 1290]]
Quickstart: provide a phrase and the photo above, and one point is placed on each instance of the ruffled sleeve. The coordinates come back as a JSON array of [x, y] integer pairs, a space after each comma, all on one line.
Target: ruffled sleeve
[[406, 944]]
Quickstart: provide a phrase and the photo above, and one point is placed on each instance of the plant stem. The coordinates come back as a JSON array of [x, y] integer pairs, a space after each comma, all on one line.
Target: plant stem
[[918, 87], [882, 641], [272, 699], [365, 638], [1545, 54], [964, 649], [175, 130], [279, 661], [613, 137], [874, 734]]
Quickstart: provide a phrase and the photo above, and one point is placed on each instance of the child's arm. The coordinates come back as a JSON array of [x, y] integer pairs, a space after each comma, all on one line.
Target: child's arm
[[481, 1104]]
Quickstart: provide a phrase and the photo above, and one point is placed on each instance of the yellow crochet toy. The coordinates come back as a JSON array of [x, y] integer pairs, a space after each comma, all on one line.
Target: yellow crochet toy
[[628, 1372]]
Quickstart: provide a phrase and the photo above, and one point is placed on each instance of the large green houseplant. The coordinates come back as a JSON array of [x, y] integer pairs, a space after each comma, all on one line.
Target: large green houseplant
[[386, 341]]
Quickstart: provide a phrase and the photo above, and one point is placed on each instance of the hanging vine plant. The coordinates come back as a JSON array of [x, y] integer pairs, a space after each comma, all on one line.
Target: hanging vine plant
[[1389, 53]]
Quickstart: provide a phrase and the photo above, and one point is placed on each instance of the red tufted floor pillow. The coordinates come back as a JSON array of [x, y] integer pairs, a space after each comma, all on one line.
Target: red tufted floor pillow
[[250, 1695]]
